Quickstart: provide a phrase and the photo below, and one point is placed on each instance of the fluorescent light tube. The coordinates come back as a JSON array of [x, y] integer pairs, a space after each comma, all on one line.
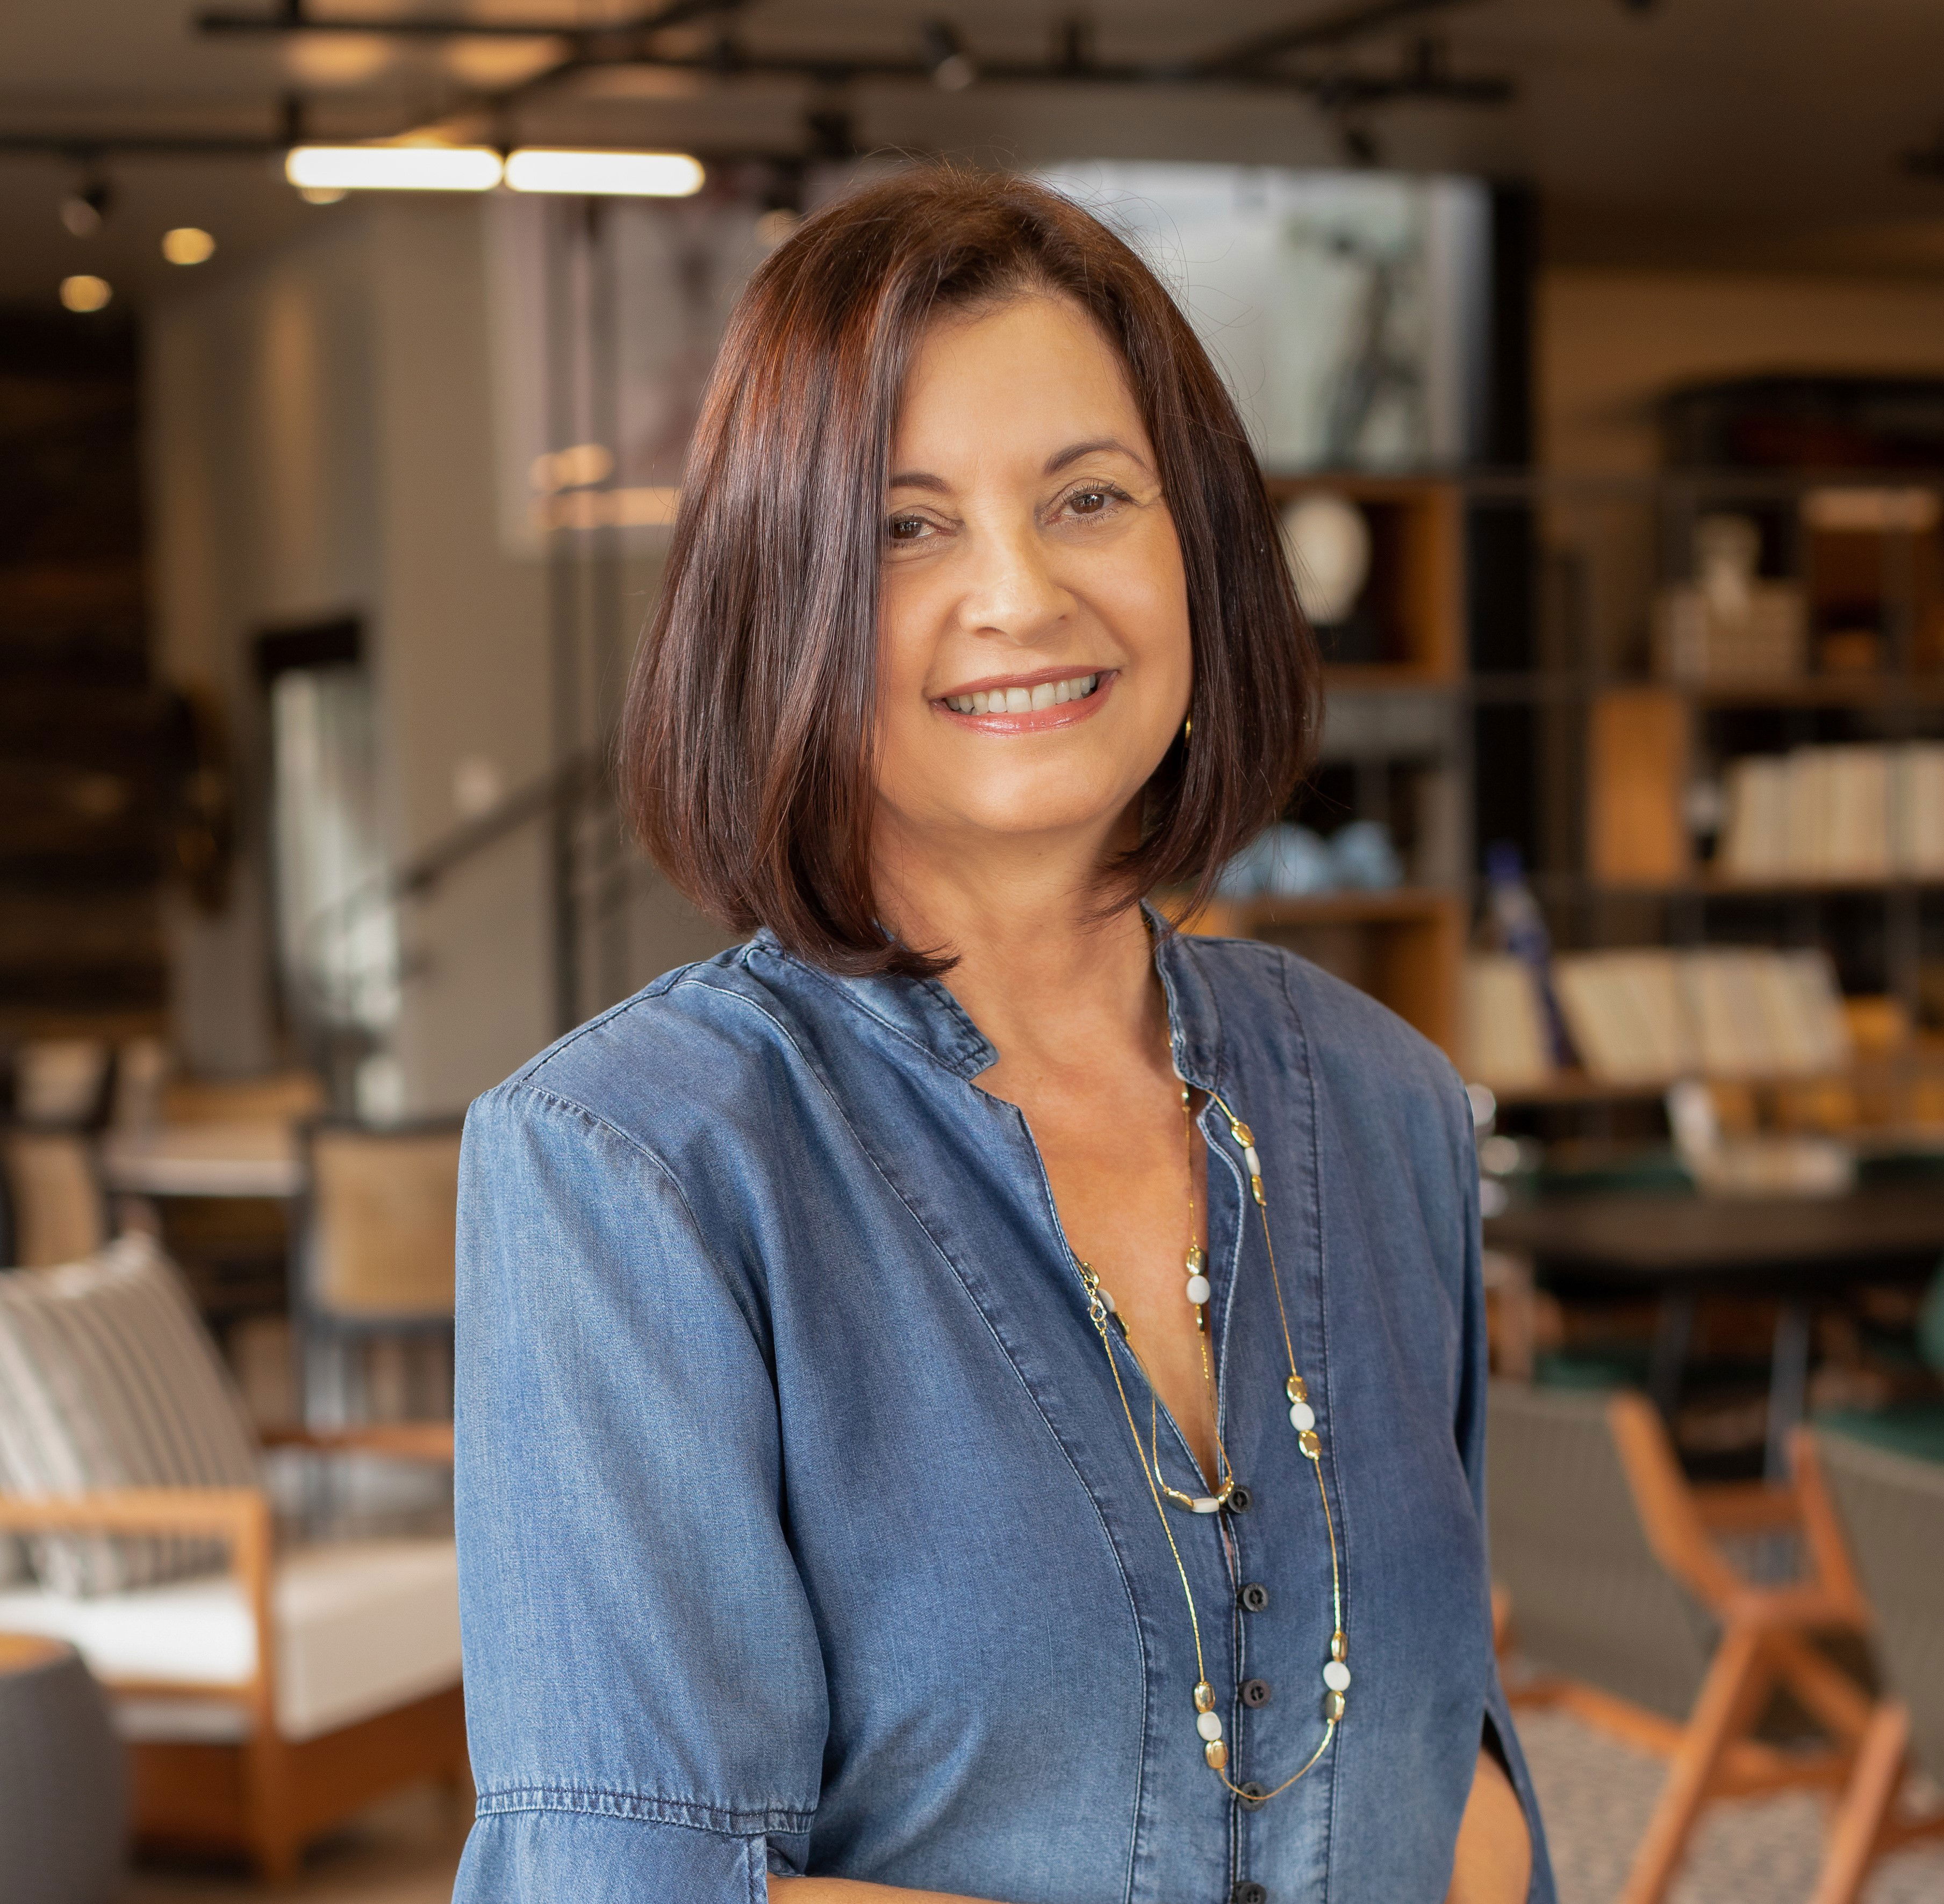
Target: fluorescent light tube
[[632, 174], [393, 168]]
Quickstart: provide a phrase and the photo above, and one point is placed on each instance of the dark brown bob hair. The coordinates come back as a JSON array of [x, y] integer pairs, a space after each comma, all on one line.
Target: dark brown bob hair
[[746, 740]]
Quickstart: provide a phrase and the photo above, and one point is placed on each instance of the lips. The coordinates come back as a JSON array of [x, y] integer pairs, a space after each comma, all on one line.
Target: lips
[[1029, 705]]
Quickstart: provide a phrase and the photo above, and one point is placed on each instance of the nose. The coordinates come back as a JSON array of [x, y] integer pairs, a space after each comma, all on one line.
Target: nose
[[1011, 589]]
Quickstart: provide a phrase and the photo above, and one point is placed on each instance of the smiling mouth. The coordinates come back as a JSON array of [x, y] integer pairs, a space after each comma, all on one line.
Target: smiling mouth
[[1035, 700]]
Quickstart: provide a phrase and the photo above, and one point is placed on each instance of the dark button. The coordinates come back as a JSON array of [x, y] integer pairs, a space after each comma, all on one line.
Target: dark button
[[1253, 1795], [1239, 1500], [1255, 1692], [1254, 1597], [1248, 1892]]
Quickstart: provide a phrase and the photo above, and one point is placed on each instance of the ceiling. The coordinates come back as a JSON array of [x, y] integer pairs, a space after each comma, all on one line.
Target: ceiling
[[1736, 132]]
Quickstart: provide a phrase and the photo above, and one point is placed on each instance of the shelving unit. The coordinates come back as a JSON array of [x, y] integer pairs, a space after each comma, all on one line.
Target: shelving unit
[[1393, 749], [1498, 681]]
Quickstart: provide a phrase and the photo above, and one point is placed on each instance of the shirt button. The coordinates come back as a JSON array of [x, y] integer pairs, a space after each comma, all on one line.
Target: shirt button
[[1253, 1795], [1254, 1597], [1248, 1892], [1255, 1692], [1239, 1500]]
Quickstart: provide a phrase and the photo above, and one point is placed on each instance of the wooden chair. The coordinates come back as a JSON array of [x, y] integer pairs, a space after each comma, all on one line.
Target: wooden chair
[[1886, 1511], [377, 1247], [222, 1755], [278, 1097], [1622, 1598], [54, 1208]]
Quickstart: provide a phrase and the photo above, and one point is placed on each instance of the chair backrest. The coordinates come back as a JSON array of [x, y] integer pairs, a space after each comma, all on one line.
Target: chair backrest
[[1590, 1597], [60, 1083], [285, 1096], [56, 1211], [383, 1205], [1892, 1509]]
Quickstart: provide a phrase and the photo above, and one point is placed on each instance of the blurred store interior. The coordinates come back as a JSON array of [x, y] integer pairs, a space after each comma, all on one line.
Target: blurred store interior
[[1594, 351]]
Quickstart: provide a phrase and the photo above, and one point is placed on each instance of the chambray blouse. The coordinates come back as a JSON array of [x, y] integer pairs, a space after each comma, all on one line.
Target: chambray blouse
[[800, 1528]]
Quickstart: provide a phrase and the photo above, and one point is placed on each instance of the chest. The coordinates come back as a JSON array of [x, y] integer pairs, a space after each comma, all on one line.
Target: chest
[[999, 1599]]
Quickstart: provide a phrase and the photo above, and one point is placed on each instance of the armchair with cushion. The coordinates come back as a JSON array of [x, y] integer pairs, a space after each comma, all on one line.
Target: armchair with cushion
[[264, 1695]]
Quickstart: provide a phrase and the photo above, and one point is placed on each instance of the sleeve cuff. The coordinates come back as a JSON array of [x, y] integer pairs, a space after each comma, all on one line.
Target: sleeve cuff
[[544, 1856]]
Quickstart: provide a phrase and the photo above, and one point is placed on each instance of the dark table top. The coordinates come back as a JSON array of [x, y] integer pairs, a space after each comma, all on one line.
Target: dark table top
[[1653, 1242]]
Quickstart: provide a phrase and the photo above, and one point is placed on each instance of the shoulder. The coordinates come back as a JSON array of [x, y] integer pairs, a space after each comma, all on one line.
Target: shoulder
[[1366, 1064], [1345, 1031], [691, 1052]]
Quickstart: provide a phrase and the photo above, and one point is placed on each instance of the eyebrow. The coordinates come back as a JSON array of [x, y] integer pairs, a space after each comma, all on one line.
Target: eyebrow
[[1058, 461]]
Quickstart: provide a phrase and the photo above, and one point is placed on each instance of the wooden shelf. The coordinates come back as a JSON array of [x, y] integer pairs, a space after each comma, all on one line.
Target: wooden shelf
[[1414, 600], [1765, 888], [1816, 690], [1580, 1087], [1384, 677], [1397, 904]]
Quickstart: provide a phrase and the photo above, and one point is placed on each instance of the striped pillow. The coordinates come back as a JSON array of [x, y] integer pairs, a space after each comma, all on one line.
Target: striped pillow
[[108, 1379]]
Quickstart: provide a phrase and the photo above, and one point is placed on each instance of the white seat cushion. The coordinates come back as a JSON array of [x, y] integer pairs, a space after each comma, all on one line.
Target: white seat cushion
[[362, 1627]]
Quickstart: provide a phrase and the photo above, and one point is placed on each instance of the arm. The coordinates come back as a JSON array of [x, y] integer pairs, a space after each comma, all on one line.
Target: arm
[[1493, 1864], [644, 1686]]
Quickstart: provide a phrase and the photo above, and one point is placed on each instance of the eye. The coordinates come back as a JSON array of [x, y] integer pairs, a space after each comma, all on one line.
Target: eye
[[906, 528], [1093, 500]]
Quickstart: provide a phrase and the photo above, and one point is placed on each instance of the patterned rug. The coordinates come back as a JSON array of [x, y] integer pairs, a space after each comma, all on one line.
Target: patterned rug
[[1596, 1795]]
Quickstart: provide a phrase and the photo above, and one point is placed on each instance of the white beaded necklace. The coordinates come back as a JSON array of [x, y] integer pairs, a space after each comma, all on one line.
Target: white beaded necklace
[[1302, 1420]]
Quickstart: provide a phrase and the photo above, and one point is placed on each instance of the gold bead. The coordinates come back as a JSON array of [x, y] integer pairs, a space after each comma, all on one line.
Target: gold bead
[[1306, 1440], [1296, 1389], [1204, 1697], [1197, 1259], [1241, 1132], [1256, 1190], [1339, 1646], [1333, 1707], [1216, 1754]]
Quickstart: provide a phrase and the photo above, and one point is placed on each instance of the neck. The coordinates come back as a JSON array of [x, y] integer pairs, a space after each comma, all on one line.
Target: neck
[[1046, 980]]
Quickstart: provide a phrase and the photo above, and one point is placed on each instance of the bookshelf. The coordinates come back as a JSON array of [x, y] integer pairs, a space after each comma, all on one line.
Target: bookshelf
[[1393, 750], [1508, 676]]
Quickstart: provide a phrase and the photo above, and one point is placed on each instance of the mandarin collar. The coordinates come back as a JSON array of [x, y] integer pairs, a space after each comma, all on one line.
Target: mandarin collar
[[925, 1013]]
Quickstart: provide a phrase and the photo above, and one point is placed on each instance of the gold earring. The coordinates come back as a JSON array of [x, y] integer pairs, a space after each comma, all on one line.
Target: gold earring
[[1187, 730]]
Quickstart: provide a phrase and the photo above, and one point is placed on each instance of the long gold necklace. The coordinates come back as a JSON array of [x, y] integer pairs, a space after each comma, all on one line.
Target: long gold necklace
[[1302, 1420]]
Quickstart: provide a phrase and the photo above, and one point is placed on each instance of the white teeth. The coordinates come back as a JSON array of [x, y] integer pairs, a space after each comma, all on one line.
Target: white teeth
[[1024, 700]]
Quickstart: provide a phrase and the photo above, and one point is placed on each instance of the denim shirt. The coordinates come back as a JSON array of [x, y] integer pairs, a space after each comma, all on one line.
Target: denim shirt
[[800, 1526]]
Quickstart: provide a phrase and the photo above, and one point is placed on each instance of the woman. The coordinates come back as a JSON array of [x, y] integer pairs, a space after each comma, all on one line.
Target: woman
[[972, 1394]]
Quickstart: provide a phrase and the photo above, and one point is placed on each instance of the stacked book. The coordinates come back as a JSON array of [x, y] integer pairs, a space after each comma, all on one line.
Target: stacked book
[[1835, 813], [1643, 1016]]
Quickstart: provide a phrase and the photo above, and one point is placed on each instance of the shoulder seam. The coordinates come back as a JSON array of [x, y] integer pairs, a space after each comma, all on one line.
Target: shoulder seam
[[662, 1166]]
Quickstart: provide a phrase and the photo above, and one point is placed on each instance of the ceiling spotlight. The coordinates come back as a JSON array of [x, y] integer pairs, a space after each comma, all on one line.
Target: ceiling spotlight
[[188, 244], [85, 212], [951, 67], [84, 293], [621, 174], [1361, 148], [322, 195], [393, 168]]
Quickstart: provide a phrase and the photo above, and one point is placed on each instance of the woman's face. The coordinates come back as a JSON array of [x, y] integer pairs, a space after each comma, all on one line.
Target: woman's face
[[1033, 651]]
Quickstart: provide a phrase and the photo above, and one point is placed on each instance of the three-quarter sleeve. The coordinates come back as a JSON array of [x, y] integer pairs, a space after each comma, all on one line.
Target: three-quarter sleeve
[[644, 1692]]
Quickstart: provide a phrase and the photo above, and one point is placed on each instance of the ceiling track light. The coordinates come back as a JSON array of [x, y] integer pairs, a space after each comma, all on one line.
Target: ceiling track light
[[316, 170], [951, 67], [85, 211]]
